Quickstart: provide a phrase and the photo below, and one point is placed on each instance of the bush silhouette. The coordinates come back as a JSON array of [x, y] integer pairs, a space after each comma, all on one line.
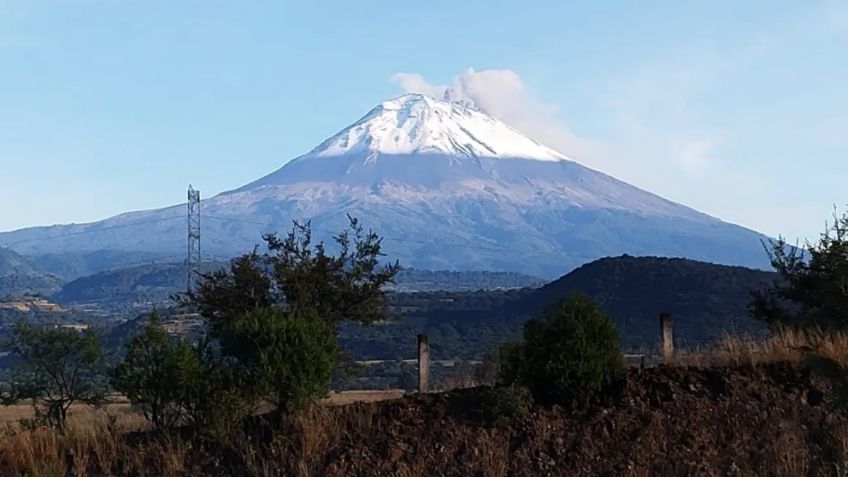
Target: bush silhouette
[[58, 367], [813, 287], [287, 357], [157, 373], [568, 355]]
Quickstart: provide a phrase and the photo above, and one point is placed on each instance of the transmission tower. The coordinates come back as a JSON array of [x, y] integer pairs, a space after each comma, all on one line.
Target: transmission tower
[[193, 257]]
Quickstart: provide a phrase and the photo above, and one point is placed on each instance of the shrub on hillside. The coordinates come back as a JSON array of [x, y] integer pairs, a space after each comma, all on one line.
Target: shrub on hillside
[[287, 357], [216, 403], [499, 403], [568, 355], [157, 373], [511, 362]]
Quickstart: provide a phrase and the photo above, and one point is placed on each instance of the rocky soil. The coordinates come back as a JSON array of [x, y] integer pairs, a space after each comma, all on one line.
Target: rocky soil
[[769, 420]]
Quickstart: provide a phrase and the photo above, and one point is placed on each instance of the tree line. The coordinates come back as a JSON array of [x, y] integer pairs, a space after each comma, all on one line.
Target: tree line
[[270, 322]]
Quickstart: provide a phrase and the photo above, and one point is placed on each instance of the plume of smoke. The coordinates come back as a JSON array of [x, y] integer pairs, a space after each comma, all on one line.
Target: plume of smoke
[[503, 94]]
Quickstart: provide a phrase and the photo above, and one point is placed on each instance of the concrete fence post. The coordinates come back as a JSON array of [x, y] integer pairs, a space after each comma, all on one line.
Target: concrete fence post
[[666, 338], [423, 364]]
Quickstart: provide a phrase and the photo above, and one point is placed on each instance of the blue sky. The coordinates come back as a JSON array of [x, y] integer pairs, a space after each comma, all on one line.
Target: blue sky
[[738, 109]]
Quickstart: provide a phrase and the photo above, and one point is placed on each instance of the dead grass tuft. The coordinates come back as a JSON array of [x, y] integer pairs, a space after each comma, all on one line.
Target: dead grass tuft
[[785, 344]]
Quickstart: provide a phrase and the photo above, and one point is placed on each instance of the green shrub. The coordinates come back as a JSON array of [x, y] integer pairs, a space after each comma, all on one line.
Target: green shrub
[[288, 357], [157, 373], [221, 398], [511, 363], [58, 367], [174, 382], [501, 403], [568, 355]]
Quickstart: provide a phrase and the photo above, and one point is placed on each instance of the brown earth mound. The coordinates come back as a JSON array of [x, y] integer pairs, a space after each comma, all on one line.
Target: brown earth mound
[[769, 420]]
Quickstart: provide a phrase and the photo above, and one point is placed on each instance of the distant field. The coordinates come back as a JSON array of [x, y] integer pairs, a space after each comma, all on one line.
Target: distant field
[[82, 415], [129, 419], [348, 397]]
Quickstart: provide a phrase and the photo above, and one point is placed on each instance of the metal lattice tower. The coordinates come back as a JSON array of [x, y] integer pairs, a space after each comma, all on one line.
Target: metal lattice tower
[[193, 257]]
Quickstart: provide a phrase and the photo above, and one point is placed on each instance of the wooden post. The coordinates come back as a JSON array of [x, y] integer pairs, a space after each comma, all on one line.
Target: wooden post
[[423, 364], [666, 338]]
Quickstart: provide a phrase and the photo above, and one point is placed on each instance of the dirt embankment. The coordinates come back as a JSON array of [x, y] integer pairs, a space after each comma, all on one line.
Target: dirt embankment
[[769, 420]]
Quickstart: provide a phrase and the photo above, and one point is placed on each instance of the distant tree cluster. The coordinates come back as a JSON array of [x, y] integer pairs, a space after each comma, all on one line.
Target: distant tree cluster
[[271, 337]]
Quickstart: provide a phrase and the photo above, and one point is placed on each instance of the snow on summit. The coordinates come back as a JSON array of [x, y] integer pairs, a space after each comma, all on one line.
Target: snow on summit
[[448, 185], [419, 124]]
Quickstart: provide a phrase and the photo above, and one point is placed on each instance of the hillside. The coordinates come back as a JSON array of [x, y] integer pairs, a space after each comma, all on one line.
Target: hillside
[[767, 420], [72, 265], [156, 282], [19, 276], [447, 185], [416, 280], [705, 300], [150, 283]]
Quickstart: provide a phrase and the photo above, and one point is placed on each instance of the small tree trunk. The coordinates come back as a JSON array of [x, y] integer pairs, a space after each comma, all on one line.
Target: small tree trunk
[[58, 413]]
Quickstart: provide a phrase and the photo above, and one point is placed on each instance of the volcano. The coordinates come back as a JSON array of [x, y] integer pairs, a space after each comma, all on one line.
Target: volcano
[[447, 185]]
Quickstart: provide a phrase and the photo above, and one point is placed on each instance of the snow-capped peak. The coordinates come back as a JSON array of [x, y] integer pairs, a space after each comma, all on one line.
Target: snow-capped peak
[[419, 124]]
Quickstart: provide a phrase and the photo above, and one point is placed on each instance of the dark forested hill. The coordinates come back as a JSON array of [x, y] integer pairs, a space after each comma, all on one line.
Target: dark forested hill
[[157, 282], [153, 283], [705, 300], [415, 280]]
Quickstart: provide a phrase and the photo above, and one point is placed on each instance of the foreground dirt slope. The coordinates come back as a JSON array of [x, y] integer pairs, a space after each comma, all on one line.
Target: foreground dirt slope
[[769, 420]]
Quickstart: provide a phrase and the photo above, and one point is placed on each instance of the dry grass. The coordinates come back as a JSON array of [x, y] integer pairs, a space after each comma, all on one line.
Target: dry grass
[[94, 444], [80, 415], [95, 441], [119, 408], [367, 395], [787, 344]]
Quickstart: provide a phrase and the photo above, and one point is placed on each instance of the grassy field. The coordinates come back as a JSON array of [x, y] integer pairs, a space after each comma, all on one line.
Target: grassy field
[[127, 419], [118, 407]]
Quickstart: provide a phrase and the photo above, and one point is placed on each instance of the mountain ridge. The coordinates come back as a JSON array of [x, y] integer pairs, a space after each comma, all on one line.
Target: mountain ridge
[[156, 283], [447, 186], [20, 276]]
